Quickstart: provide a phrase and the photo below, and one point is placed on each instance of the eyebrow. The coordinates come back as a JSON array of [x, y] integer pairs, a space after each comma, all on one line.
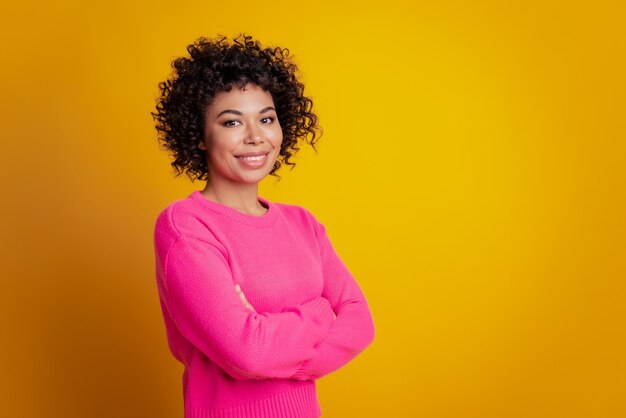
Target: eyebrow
[[236, 112]]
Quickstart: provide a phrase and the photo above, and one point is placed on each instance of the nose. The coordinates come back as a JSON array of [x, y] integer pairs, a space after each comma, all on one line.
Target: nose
[[253, 134]]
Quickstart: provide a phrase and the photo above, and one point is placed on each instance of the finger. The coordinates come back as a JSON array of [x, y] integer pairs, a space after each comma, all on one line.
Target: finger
[[240, 293], [242, 296]]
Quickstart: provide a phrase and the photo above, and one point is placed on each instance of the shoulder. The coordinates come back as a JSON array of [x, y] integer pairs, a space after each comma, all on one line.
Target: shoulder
[[301, 216], [182, 218]]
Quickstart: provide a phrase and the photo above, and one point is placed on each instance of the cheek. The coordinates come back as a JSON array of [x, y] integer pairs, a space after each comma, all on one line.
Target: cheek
[[222, 146], [278, 136]]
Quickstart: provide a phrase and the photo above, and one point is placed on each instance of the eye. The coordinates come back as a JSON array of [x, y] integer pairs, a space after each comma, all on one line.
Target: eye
[[230, 122], [270, 118]]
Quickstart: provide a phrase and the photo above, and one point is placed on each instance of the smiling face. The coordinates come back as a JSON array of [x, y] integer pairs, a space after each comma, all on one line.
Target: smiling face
[[242, 135]]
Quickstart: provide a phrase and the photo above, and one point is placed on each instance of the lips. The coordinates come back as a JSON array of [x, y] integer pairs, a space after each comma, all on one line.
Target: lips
[[253, 162]]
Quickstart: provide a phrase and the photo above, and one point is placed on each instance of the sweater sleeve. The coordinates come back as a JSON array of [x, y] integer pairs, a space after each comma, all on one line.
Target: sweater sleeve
[[203, 303], [353, 328]]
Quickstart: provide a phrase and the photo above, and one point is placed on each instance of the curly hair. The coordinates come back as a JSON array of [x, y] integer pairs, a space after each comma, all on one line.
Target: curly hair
[[214, 65]]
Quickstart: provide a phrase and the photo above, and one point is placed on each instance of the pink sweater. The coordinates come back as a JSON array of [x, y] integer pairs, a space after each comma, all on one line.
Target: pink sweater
[[240, 363]]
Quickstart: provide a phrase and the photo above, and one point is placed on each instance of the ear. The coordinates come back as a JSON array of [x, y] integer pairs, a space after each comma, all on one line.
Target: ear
[[202, 145]]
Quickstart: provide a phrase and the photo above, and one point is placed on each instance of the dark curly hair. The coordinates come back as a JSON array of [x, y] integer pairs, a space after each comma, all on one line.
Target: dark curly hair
[[214, 65]]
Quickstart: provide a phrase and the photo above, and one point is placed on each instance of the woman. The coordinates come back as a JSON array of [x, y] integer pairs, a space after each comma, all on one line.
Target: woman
[[256, 302]]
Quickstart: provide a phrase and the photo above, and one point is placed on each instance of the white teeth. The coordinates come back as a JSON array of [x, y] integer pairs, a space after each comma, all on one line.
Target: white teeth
[[258, 158]]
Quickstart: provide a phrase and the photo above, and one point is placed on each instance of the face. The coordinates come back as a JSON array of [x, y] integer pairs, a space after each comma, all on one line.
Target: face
[[242, 135]]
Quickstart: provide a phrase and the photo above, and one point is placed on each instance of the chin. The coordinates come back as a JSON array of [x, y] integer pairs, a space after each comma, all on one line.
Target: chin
[[252, 179]]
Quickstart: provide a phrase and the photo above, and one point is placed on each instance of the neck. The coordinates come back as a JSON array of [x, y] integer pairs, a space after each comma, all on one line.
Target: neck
[[243, 198]]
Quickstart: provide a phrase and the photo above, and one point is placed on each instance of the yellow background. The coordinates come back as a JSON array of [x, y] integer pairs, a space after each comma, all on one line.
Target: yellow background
[[471, 175]]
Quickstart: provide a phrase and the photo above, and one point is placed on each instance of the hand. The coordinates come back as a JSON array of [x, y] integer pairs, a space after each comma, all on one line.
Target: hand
[[243, 298]]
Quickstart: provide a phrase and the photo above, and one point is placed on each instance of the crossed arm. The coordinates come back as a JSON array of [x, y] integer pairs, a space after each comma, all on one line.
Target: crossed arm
[[200, 299], [302, 342]]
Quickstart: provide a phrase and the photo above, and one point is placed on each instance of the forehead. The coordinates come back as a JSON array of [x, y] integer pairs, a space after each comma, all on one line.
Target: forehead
[[248, 99]]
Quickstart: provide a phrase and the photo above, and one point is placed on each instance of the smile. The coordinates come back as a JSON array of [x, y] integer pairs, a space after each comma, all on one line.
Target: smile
[[253, 161], [257, 158]]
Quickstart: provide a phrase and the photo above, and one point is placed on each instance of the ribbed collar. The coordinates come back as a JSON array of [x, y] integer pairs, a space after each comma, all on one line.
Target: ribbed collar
[[264, 221]]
